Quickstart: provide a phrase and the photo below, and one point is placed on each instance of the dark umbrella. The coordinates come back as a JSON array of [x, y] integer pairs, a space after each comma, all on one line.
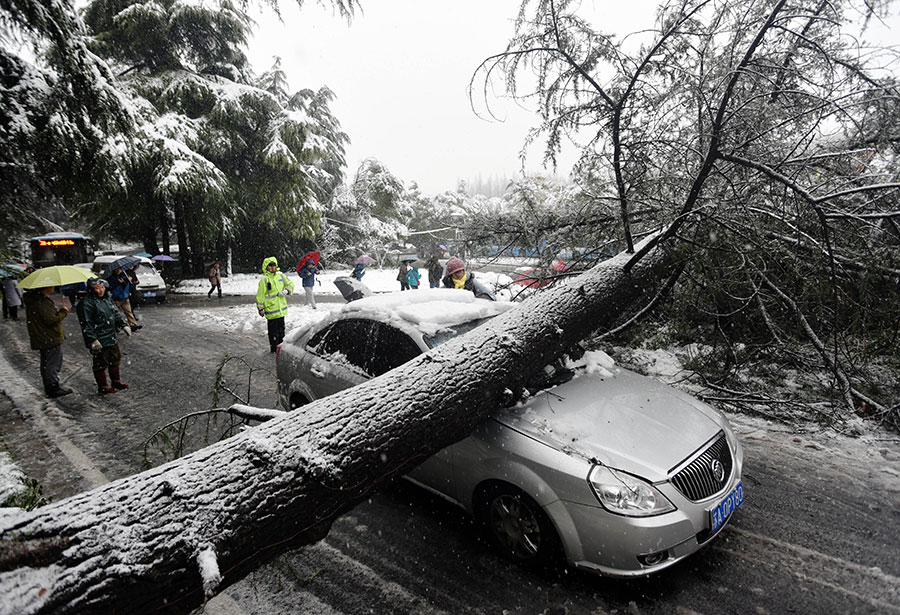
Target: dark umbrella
[[120, 263], [309, 256], [363, 260], [351, 288], [162, 257]]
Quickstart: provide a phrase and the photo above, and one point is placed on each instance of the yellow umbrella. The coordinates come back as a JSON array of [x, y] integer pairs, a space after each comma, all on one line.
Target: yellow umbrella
[[56, 275]]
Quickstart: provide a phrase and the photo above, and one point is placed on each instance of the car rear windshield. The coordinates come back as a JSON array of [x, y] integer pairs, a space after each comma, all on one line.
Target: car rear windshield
[[450, 332]]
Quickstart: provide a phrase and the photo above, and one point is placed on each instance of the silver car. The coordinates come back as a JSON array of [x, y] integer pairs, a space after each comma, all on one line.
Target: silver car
[[622, 474]]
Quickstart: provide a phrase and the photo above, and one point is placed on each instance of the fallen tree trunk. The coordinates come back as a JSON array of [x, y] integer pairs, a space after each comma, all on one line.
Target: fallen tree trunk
[[170, 538]]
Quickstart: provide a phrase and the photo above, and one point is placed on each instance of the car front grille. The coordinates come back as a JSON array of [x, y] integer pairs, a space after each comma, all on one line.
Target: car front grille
[[698, 480]]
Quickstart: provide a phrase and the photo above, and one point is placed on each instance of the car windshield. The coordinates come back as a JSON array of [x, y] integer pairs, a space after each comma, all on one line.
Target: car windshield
[[449, 333]]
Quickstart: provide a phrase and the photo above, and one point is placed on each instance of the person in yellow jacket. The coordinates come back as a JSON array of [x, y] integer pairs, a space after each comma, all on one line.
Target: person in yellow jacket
[[270, 300]]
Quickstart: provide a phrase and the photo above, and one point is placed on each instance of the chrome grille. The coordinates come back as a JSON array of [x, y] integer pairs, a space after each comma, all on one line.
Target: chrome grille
[[697, 480]]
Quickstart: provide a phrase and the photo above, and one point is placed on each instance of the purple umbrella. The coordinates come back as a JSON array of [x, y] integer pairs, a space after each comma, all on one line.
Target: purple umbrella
[[363, 260], [162, 257], [442, 247]]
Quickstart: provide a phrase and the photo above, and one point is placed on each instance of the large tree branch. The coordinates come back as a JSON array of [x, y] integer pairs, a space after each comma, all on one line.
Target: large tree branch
[[170, 537]]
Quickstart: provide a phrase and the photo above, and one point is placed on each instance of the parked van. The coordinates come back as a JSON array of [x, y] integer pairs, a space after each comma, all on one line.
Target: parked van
[[150, 283]]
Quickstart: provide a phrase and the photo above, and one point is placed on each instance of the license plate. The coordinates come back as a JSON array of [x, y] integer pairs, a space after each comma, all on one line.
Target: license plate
[[149, 293], [719, 513]]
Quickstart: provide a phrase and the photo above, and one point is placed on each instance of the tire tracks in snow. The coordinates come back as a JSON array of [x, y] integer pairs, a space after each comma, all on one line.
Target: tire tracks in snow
[[867, 584]]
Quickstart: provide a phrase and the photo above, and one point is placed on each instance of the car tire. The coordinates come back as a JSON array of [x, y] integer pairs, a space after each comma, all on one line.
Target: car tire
[[518, 527]]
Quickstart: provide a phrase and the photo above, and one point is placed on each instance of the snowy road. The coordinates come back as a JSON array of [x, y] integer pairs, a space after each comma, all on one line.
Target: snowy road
[[819, 532]]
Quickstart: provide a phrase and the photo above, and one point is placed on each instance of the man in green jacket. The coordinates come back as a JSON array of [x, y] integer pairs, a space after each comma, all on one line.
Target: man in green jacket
[[44, 321], [270, 300]]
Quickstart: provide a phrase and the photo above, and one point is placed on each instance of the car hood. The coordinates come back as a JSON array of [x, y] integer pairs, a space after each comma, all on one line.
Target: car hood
[[620, 419]]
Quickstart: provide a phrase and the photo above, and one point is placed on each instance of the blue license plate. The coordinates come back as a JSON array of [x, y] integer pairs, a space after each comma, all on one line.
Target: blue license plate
[[149, 293], [719, 513]]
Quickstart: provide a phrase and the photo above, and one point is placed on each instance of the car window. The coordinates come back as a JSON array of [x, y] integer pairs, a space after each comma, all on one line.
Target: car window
[[390, 348], [449, 333], [347, 339]]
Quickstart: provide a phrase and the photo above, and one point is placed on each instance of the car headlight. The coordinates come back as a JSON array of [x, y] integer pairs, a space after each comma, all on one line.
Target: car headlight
[[624, 494]]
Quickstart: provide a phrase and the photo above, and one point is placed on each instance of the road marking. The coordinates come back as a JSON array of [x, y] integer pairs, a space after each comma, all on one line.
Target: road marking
[[31, 404]]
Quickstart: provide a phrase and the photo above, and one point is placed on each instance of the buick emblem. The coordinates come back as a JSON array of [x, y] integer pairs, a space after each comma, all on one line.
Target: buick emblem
[[718, 470]]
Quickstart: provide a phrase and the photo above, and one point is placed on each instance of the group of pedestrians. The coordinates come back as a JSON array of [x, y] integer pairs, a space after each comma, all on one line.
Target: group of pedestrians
[[100, 321]]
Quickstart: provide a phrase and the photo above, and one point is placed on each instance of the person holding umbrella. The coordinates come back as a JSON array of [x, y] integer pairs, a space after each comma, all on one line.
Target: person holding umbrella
[[44, 321], [270, 300], [121, 293], [308, 275], [99, 322], [401, 276]]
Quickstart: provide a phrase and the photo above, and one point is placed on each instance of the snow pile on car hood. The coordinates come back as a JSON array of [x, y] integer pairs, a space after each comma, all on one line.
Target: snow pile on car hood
[[429, 310]]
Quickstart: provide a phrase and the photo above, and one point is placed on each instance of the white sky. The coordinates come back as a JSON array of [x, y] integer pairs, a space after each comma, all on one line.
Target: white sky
[[400, 72]]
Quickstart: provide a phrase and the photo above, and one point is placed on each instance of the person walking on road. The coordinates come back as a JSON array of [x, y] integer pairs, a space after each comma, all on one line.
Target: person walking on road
[[100, 320], [270, 300], [120, 289], [12, 298], [435, 270], [44, 321], [359, 270], [215, 279], [401, 276], [308, 275], [413, 277]]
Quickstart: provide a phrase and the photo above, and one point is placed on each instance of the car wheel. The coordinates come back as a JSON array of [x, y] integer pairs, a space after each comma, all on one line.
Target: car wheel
[[517, 526]]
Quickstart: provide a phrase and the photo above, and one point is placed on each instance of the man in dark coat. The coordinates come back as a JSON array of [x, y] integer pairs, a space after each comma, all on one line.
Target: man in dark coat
[[44, 321]]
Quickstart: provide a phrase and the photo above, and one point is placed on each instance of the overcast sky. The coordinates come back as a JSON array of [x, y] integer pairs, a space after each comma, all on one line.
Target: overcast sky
[[400, 72]]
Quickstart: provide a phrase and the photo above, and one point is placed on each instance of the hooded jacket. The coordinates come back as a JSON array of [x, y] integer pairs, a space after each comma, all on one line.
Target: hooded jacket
[[269, 299], [101, 319]]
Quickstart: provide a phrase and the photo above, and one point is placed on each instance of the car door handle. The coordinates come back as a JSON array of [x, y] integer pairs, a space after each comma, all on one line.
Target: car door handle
[[317, 373]]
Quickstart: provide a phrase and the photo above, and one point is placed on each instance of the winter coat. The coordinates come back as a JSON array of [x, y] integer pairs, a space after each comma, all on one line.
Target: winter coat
[[358, 272], [481, 291], [435, 269], [413, 277], [44, 321], [215, 276], [11, 292], [101, 319], [308, 275], [401, 275], [120, 286], [269, 299]]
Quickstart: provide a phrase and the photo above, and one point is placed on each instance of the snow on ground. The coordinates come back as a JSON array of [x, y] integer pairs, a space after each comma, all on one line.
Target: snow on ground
[[244, 318]]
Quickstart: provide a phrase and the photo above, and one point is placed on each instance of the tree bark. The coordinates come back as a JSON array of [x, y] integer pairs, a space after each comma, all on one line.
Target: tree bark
[[170, 538]]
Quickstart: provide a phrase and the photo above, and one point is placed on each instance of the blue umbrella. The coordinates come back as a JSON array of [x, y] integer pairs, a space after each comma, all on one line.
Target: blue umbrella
[[120, 263], [13, 267], [144, 254]]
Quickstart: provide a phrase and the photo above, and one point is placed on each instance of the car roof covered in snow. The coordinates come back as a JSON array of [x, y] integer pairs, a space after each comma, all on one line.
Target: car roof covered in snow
[[427, 309]]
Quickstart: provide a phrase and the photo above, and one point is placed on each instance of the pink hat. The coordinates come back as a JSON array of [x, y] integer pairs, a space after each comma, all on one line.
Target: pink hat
[[454, 265]]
